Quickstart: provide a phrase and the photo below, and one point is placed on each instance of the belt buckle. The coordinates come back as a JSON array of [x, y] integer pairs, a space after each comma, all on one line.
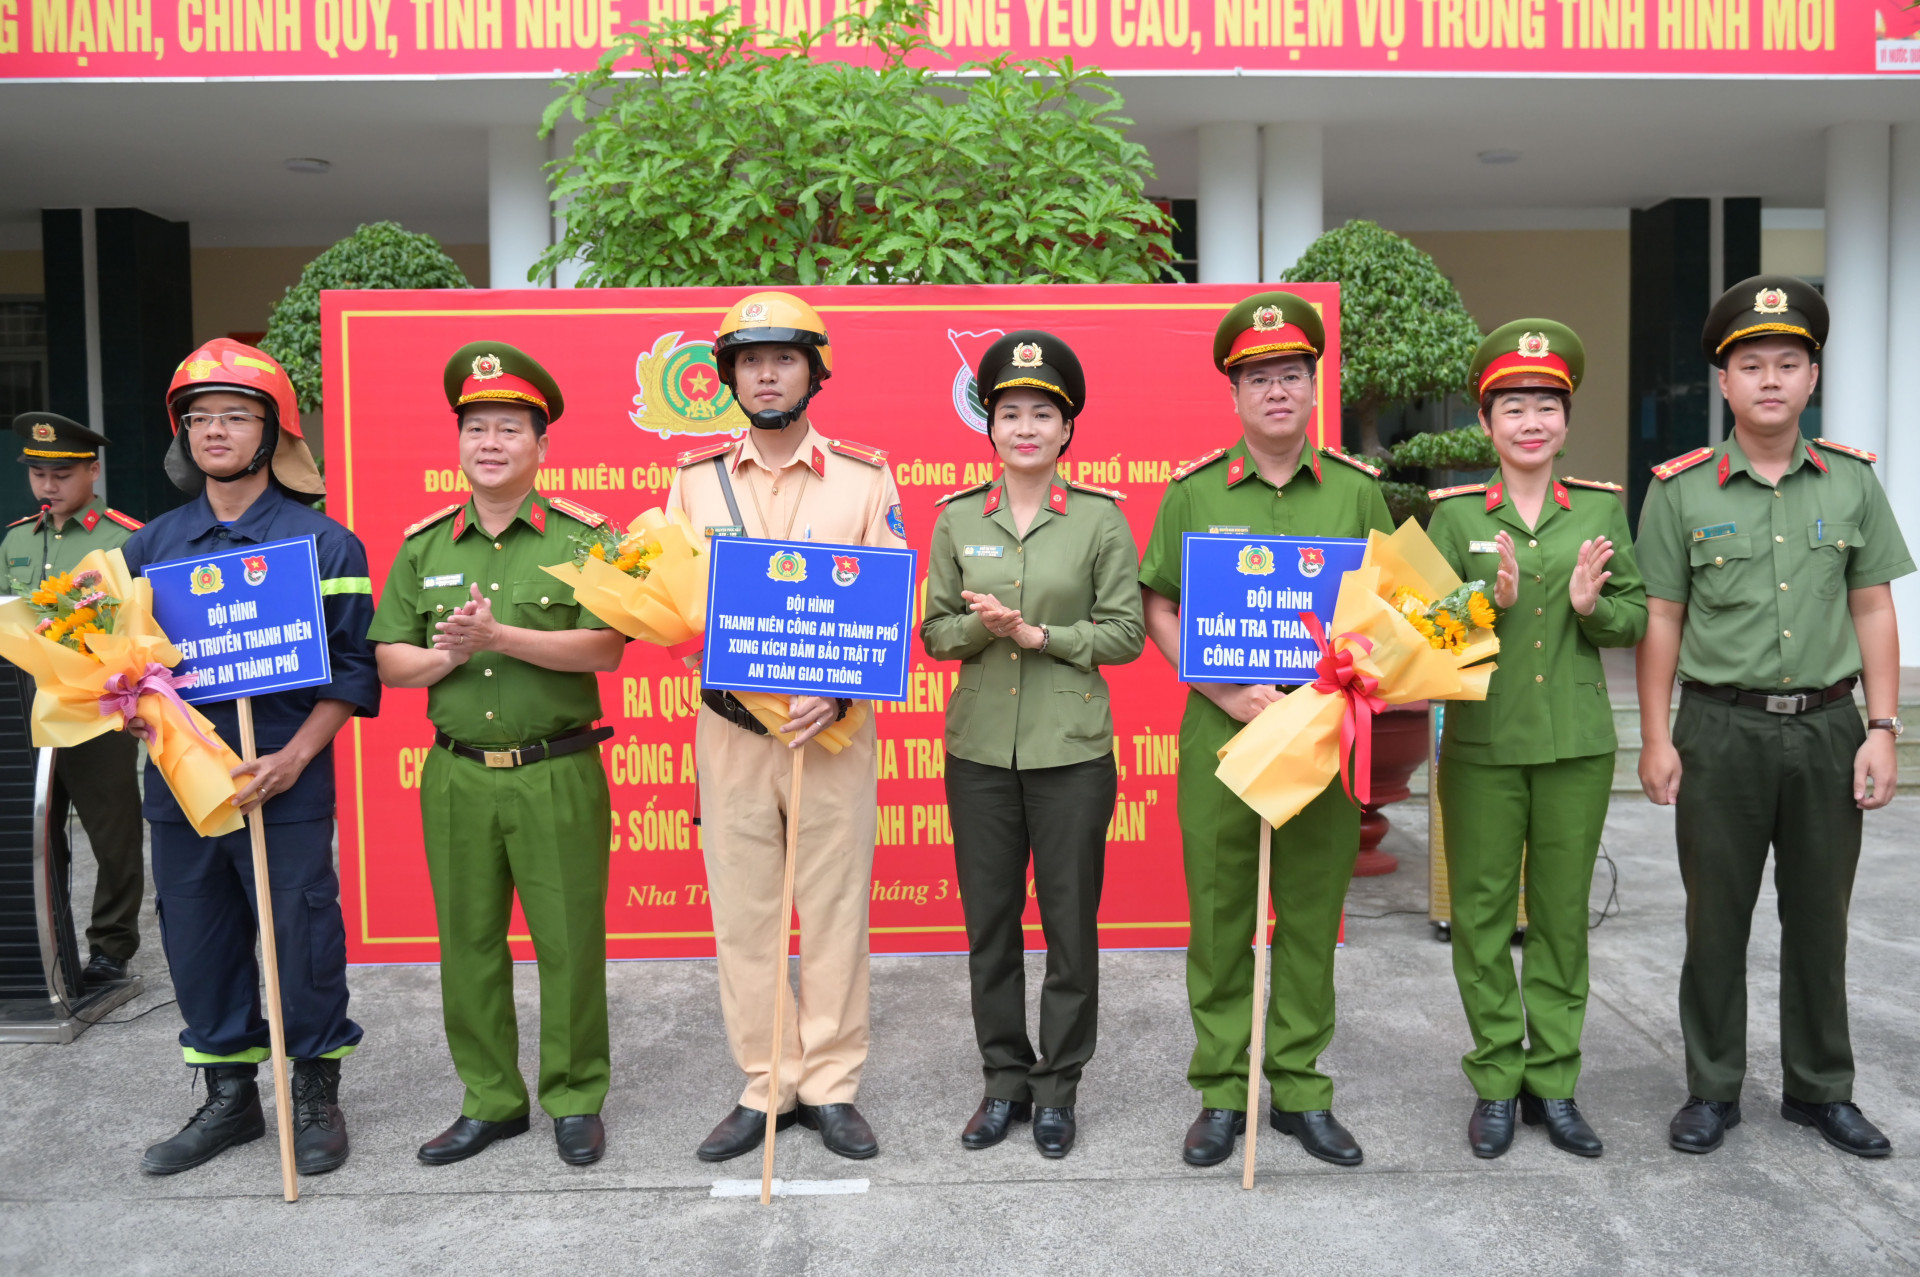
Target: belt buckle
[[501, 757], [1786, 704]]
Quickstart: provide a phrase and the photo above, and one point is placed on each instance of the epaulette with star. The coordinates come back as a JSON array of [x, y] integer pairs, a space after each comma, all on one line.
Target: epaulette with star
[[1461, 490], [126, 521], [1685, 461], [573, 509], [1371, 471], [705, 452], [432, 519], [955, 496], [1111, 494], [31, 518], [1861, 453], [1198, 463], [1599, 485], [858, 451]]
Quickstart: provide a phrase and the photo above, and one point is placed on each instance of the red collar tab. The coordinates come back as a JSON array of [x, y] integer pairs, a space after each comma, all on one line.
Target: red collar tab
[[93, 517], [1057, 501], [1726, 467], [1560, 496], [1494, 491], [1314, 453], [1236, 470], [1811, 456], [819, 463], [537, 516], [459, 523], [993, 501]]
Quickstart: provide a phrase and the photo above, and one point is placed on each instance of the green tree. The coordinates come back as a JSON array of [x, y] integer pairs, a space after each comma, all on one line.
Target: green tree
[[377, 255], [739, 157], [1404, 332]]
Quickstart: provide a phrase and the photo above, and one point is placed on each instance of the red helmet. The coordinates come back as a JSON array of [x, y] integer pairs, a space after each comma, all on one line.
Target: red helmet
[[224, 364]]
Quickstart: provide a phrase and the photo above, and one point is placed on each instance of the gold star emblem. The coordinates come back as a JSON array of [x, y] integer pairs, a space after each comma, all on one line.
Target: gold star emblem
[[487, 367], [1770, 301], [1027, 355], [1267, 319], [1534, 345]]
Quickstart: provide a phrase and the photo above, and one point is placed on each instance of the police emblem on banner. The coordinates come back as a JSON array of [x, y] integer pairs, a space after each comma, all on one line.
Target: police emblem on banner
[[205, 579], [846, 569], [790, 568], [681, 392], [1312, 559], [1255, 560], [256, 568]]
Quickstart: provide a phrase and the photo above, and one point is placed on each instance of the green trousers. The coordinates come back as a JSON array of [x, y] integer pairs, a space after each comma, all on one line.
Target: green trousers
[[1749, 780], [98, 780], [1313, 857], [1526, 1032], [1055, 817], [542, 831]]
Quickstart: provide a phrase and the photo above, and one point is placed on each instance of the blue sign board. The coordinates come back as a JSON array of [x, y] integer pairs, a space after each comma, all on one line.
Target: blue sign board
[[248, 620], [809, 619], [1240, 603]]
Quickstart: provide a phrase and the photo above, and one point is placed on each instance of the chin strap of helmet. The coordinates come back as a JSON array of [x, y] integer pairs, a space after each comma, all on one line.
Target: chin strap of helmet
[[773, 418], [261, 456]]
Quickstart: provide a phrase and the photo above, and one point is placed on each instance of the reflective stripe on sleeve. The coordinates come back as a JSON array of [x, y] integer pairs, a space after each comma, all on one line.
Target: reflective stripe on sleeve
[[347, 585]]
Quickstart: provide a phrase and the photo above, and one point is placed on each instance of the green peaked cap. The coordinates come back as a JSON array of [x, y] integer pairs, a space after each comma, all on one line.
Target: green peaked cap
[[1036, 360], [1266, 324], [494, 371], [1764, 306], [1538, 354]]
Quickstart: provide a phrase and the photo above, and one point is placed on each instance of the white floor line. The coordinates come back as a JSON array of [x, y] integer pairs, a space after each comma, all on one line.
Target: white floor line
[[789, 1187]]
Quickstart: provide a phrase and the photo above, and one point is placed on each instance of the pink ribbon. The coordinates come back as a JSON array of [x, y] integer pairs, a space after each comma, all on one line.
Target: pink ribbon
[[123, 698], [1338, 677]]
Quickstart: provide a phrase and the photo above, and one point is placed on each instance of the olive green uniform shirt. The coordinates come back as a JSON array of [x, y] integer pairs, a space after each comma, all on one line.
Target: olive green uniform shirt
[[493, 699], [1763, 568], [1075, 573], [34, 549], [1548, 697], [1324, 497]]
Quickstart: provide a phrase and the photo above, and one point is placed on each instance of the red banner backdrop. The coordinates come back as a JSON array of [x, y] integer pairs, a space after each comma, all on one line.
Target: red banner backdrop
[[335, 39], [636, 365]]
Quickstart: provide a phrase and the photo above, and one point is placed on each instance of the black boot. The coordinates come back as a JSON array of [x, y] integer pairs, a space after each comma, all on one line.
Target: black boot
[[1210, 1138], [1319, 1132], [988, 1125], [230, 1115], [319, 1127], [1566, 1128], [1702, 1125], [1490, 1129]]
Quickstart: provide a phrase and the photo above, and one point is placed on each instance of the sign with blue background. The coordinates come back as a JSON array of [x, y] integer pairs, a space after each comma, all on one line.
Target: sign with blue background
[[248, 620], [809, 619], [1240, 603]]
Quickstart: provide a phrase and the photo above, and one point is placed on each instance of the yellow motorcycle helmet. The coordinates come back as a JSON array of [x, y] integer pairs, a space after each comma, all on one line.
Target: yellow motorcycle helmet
[[774, 319]]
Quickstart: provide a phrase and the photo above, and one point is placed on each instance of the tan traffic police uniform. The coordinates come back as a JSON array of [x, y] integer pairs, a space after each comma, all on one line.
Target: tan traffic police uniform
[[842, 493]]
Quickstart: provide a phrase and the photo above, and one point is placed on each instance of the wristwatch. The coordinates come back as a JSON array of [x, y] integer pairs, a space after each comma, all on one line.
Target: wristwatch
[[1893, 725], [1046, 637]]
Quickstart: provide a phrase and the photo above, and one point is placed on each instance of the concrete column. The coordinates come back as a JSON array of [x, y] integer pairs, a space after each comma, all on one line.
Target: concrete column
[[1900, 464], [1292, 198], [1229, 204], [96, 382], [1854, 364], [518, 216], [1717, 283]]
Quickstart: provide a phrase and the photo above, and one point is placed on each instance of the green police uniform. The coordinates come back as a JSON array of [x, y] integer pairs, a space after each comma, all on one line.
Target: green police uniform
[[1328, 495], [506, 824], [1529, 769], [1767, 728], [1030, 769], [98, 779]]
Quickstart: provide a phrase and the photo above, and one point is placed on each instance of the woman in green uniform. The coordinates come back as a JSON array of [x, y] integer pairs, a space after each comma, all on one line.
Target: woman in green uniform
[[1525, 774], [1032, 584]]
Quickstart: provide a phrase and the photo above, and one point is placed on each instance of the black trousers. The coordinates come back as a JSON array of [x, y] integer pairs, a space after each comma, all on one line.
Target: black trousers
[[97, 778], [1057, 816]]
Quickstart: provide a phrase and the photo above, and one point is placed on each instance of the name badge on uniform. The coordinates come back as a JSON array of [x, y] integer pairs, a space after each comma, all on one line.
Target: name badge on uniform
[[983, 552], [1716, 530], [725, 530], [1483, 547], [20, 562], [436, 582], [1229, 530]]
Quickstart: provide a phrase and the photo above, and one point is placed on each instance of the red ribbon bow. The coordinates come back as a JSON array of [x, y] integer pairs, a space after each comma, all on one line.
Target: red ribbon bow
[[123, 698], [1338, 677]]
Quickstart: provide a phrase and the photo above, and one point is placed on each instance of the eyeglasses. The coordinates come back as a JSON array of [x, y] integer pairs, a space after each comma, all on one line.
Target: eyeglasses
[[1259, 381], [231, 420]]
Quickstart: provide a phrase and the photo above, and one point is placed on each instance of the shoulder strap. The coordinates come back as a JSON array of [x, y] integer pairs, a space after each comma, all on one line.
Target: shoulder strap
[[126, 521], [726, 490]]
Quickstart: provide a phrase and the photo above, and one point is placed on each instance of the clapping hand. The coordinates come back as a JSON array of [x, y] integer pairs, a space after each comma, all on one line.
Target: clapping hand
[[1589, 574], [1003, 621], [1506, 586], [468, 629]]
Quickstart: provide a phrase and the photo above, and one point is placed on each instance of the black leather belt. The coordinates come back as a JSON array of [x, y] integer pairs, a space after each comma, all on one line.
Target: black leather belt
[[566, 743], [1797, 703], [728, 706]]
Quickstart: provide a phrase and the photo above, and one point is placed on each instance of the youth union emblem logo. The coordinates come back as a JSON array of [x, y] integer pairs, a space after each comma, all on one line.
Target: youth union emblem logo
[[256, 565], [1255, 560], [681, 392], [966, 395], [1312, 559], [787, 567], [205, 579], [846, 569]]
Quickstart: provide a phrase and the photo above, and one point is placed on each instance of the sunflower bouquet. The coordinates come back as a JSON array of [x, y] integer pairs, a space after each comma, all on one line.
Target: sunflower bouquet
[[628, 552], [72, 605], [1449, 623]]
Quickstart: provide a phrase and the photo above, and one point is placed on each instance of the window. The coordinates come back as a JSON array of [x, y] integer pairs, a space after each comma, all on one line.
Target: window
[[23, 355]]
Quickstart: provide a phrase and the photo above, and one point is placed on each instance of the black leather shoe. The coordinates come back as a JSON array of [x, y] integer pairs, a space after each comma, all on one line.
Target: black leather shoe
[[1490, 1129], [319, 1127], [841, 1128], [1702, 1125], [1319, 1132], [102, 970], [581, 1137], [230, 1115], [1565, 1127], [740, 1131], [1053, 1131], [988, 1125], [1210, 1138], [1842, 1125], [467, 1136]]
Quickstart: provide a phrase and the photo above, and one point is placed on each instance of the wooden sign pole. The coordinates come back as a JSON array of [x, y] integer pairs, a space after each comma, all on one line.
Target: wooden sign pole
[[780, 973], [1256, 1058], [270, 963]]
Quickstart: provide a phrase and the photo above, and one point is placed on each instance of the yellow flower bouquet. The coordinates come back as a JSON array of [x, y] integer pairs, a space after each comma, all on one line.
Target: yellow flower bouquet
[[98, 658], [1405, 628], [650, 583]]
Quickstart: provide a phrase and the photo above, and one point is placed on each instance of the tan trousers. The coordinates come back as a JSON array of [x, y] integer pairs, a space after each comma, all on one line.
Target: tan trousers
[[744, 787]]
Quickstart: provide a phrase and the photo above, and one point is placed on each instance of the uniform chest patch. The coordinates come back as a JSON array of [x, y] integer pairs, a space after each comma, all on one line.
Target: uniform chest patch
[[725, 530], [983, 552], [437, 582], [1483, 547], [1714, 530], [1229, 529], [20, 562]]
